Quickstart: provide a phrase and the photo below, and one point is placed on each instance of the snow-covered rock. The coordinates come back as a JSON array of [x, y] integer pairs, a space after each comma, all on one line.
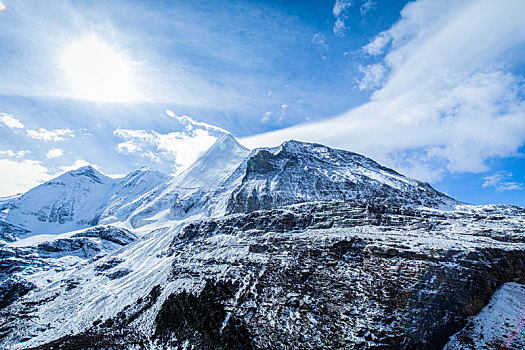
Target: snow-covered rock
[[498, 326]]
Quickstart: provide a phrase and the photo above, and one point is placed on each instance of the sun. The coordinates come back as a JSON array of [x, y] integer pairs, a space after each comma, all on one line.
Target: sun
[[96, 72]]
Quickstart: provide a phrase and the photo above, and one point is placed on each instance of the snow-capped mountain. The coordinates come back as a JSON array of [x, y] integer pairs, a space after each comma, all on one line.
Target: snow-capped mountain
[[298, 246], [79, 198], [298, 172], [227, 178], [70, 199]]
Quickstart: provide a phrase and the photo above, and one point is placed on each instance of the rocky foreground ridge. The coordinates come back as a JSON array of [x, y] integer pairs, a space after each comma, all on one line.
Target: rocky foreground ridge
[[296, 247]]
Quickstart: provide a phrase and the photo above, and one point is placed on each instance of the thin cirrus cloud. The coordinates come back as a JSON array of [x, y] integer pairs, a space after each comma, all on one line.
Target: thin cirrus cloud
[[501, 182], [445, 103]]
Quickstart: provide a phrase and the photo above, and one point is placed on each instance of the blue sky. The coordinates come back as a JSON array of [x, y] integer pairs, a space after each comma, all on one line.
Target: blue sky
[[432, 88]]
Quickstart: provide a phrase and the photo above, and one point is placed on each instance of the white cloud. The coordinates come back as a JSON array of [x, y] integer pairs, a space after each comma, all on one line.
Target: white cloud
[[20, 176], [373, 78], [51, 135], [10, 121], [500, 182], [446, 104], [340, 7], [340, 12], [19, 154], [54, 153], [339, 27], [319, 41], [266, 117], [79, 163], [376, 46], [367, 6], [179, 149]]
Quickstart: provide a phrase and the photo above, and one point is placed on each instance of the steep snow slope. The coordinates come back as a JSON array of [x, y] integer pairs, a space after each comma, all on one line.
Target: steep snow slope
[[187, 193], [498, 326]]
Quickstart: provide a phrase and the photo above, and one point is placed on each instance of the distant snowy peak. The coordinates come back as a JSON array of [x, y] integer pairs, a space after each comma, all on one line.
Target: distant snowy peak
[[77, 199], [130, 193], [86, 173], [303, 172], [62, 200]]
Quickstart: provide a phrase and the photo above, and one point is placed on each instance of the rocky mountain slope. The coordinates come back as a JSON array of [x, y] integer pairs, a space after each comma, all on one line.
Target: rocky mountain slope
[[299, 246]]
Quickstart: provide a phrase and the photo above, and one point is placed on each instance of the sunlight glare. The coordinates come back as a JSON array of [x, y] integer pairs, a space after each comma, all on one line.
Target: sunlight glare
[[96, 72]]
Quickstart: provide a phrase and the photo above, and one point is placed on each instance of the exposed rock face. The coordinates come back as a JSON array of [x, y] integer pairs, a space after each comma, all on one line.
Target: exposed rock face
[[335, 289], [343, 275], [9, 232], [498, 326]]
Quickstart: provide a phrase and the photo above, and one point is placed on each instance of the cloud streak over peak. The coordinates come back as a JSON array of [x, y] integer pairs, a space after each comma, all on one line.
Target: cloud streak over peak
[[447, 105]]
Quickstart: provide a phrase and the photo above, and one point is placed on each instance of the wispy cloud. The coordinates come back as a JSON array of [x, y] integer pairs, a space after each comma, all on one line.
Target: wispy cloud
[[377, 46], [177, 149], [51, 135], [367, 6], [373, 76], [501, 182], [319, 41], [446, 103], [340, 12], [266, 117], [10, 121]]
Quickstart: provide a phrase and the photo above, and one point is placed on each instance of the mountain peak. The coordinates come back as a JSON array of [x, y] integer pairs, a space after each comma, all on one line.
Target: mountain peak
[[307, 172], [216, 163], [227, 141], [87, 171]]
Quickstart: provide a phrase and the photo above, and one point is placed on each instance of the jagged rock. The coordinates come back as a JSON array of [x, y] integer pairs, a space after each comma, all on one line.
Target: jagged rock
[[13, 288]]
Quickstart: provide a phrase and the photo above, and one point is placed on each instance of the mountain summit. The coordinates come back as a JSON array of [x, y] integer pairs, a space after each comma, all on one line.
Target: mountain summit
[[226, 179], [304, 172]]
